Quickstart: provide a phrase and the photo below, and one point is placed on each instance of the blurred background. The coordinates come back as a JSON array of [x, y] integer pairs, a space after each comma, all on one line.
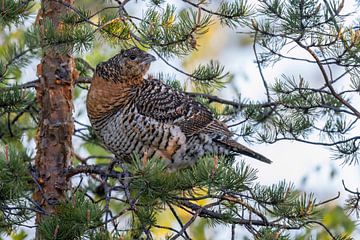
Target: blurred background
[[309, 167]]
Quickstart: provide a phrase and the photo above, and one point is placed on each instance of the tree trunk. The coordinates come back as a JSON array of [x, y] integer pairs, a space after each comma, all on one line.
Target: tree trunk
[[54, 96]]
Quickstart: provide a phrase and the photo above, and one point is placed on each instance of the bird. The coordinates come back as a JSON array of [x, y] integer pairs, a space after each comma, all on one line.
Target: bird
[[134, 114]]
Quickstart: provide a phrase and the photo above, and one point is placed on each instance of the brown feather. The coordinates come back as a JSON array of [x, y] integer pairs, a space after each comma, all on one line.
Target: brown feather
[[131, 114]]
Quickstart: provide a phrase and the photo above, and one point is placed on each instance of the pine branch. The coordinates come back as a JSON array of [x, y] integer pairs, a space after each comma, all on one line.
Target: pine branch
[[353, 201], [230, 14], [14, 12], [76, 217], [328, 83], [14, 57], [93, 169], [226, 194]]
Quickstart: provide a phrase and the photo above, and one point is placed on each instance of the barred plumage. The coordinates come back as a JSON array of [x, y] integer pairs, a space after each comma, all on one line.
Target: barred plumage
[[131, 114]]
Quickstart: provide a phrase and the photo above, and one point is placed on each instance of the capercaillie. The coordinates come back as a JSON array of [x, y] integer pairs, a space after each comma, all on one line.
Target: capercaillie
[[133, 114]]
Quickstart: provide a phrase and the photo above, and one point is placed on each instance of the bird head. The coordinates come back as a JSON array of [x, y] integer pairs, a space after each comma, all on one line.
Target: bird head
[[127, 66]]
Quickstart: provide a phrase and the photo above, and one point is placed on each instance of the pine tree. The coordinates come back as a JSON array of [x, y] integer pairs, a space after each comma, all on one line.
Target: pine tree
[[64, 195]]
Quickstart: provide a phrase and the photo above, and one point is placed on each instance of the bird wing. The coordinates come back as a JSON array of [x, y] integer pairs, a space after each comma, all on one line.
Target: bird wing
[[159, 101]]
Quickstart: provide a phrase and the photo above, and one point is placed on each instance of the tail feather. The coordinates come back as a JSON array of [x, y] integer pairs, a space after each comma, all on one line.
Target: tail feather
[[238, 148]]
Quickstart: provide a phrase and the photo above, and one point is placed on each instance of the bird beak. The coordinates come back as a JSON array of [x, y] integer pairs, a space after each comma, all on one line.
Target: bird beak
[[148, 59]]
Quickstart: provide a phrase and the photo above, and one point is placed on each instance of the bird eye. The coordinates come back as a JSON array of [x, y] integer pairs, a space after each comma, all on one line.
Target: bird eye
[[132, 57]]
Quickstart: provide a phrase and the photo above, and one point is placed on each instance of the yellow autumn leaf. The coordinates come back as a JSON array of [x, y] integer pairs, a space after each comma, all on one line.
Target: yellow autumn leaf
[[166, 218]]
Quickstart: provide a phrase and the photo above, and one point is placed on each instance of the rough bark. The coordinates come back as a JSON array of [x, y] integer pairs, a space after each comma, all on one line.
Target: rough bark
[[54, 93]]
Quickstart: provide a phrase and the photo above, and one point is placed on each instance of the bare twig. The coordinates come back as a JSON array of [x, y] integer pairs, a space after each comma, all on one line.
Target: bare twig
[[233, 231], [13, 60], [328, 200], [260, 68], [84, 62], [93, 169], [328, 82], [85, 80], [192, 219], [350, 191], [173, 211], [198, 6]]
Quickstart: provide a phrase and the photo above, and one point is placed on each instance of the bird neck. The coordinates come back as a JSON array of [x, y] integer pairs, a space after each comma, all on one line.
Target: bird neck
[[129, 81], [106, 96], [130, 75]]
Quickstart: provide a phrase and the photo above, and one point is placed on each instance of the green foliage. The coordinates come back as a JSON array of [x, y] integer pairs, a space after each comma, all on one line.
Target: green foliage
[[84, 68], [70, 38], [234, 13], [14, 175], [14, 100], [209, 76], [14, 12], [14, 104], [173, 34], [271, 234], [170, 80], [334, 218], [19, 236], [77, 17], [153, 187], [215, 189], [287, 203], [157, 2], [338, 221], [12, 58], [301, 111], [115, 31], [14, 187], [159, 183], [32, 38], [76, 218], [100, 235], [16, 52]]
